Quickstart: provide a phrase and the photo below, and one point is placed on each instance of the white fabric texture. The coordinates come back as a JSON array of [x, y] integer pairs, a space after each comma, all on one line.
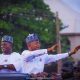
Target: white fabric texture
[[33, 61], [14, 58]]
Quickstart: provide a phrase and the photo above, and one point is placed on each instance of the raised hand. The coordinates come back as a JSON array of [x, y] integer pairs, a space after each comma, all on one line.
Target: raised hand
[[53, 48], [74, 50]]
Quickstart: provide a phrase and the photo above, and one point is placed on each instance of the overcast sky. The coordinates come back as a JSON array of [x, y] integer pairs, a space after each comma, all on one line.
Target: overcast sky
[[75, 4]]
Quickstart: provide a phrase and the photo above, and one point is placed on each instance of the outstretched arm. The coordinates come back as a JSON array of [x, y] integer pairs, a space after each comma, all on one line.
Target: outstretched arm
[[74, 50], [53, 48], [29, 55], [54, 58]]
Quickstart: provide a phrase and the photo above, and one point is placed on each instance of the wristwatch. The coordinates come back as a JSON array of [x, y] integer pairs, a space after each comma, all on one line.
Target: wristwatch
[[5, 66]]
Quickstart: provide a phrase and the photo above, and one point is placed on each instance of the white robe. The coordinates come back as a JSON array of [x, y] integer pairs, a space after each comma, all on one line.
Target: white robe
[[14, 58], [33, 61]]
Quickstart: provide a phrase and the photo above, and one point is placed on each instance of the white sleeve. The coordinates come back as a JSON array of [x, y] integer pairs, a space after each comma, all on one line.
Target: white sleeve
[[17, 62], [28, 55], [54, 58], [39, 52]]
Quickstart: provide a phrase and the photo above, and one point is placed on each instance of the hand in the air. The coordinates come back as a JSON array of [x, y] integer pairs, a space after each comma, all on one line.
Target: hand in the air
[[74, 50], [53, 48]]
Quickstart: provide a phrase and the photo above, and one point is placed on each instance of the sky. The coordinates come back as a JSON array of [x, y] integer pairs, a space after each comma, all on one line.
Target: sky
[[74, 4]]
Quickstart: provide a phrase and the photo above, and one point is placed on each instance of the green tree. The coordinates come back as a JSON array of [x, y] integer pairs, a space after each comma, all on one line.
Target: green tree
[[21, 17]]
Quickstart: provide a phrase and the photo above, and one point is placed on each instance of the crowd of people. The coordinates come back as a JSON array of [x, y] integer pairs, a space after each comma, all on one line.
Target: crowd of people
[[33, 60]]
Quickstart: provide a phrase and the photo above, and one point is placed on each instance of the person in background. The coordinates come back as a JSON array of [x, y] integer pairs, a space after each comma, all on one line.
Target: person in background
[[35, 58], [76, 71], [10, 62]]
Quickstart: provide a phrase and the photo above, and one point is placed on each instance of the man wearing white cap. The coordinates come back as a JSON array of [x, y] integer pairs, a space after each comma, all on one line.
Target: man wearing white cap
[[10, 62], [34, 58]]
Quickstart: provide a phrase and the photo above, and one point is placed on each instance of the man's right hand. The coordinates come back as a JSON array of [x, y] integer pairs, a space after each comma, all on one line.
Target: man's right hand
[[53, 48]]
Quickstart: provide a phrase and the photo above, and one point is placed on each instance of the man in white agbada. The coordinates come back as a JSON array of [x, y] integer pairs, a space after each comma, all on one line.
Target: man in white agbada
[[34, 58], [10, 62]]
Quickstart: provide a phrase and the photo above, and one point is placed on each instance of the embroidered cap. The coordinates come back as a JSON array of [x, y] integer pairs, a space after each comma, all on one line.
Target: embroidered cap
[[31, 38], [7, 38]]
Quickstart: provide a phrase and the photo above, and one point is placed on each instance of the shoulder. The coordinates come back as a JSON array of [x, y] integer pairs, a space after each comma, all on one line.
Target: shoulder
[[15, 54], [1, 55], [25, 52]]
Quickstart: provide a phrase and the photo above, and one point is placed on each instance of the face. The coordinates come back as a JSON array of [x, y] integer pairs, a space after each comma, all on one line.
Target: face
[[35, 45], [6, 47]]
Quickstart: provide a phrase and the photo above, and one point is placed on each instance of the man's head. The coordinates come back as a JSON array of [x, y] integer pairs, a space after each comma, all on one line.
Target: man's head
[[32, 41], [6, 44]]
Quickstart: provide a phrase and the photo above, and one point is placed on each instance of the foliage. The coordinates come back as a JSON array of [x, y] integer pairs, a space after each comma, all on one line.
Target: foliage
[[21, 17]]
